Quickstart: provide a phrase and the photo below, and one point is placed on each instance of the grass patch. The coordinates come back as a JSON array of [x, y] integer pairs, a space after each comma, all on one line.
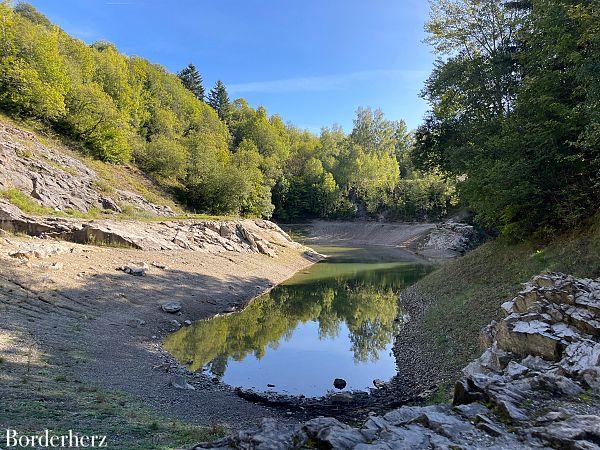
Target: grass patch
[[466, 293], [23, 201], [61, 402], [443, 394]]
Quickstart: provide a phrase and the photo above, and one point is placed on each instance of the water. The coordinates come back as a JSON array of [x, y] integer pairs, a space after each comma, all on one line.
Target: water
[[336, 319]]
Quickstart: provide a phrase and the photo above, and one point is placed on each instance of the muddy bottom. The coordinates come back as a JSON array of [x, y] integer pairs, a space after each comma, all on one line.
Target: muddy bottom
[[337, 319]]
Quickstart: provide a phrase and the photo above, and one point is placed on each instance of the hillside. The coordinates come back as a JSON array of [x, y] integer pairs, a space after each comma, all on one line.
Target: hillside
[[42, 175], [450, 306], [220, 156]]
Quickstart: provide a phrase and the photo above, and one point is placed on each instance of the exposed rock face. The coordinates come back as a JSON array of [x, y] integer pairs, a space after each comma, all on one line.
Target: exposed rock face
[[55, 179], [249, 236], [449, 240], [544, 354], [140, 203]]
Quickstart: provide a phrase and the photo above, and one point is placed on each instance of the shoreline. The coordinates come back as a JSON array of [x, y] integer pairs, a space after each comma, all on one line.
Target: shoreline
[[104, 328]]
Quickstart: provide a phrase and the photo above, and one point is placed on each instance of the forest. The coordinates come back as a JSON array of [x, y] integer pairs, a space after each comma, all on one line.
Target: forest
[[512, 131], [218, 156]]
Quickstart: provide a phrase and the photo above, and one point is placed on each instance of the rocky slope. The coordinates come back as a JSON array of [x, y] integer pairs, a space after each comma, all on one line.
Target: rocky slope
[[250, 236], [447, 240], [57, 180], [537, 385]]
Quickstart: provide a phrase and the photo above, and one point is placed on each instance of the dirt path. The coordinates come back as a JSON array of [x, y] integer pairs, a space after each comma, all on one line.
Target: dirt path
[[106, 326]]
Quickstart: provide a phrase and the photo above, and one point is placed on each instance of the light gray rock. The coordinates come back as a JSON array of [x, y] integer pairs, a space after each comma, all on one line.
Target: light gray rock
[[580, 431], [472, 410], [179, 382], [333, 433], [135, 270], [515, 370], [171, 307], [56, 180], [525, 338], [188, 235]]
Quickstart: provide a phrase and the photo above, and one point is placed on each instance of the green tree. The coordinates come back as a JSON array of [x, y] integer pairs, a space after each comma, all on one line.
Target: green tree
[[192, 80], [218, 99], [512, 110]]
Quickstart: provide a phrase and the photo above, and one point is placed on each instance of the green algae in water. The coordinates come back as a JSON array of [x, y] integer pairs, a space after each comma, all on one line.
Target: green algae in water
[[337, 319]]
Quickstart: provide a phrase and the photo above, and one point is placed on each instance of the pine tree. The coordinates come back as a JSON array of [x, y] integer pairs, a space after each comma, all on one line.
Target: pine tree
[[219, 100], [191, 79]]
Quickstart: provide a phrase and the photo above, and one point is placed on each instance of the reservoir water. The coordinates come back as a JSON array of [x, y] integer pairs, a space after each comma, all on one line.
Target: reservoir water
[[337, 319]]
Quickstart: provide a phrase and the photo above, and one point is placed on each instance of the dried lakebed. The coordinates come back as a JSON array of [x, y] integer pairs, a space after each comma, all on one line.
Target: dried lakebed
[[336, 319]]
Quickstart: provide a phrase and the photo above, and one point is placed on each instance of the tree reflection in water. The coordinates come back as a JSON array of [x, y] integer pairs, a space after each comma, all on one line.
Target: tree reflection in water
[[363, 296]]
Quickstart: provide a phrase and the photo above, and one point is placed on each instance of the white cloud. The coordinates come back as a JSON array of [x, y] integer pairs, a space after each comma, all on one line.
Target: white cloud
[[325, 82]]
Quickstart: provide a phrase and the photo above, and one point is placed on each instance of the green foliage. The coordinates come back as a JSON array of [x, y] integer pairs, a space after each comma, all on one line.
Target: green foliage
[[515, 110], [192, 80], [163, 157], [219, 100], [368, 173], [24, 202], [223, 157], [93, 117]]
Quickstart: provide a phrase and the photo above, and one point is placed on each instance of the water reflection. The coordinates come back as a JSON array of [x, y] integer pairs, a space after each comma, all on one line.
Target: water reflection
[[337, 319]]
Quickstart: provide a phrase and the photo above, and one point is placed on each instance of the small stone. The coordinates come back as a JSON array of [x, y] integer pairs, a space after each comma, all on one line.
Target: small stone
[[339, 383], [510, 411], [515, 370], [171, 307], [138, 271], [378, 383], [134, 323], [179, 382], [489, 428], [472, 410]]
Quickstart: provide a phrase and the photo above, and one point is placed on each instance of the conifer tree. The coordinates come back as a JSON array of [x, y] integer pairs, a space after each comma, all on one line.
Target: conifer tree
[[219, 100], [191, 79]]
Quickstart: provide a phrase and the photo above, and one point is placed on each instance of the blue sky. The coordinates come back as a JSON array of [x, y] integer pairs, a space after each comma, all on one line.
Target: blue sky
[[311, 61]]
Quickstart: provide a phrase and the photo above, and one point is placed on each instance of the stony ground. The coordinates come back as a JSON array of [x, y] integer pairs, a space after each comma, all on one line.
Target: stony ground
[[74, 323]]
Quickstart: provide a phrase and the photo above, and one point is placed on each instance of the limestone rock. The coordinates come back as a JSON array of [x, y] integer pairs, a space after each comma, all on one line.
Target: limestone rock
[[179, 382], [242, 236], [56, 180], [171, 307], [135, 270], [573, 432]]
